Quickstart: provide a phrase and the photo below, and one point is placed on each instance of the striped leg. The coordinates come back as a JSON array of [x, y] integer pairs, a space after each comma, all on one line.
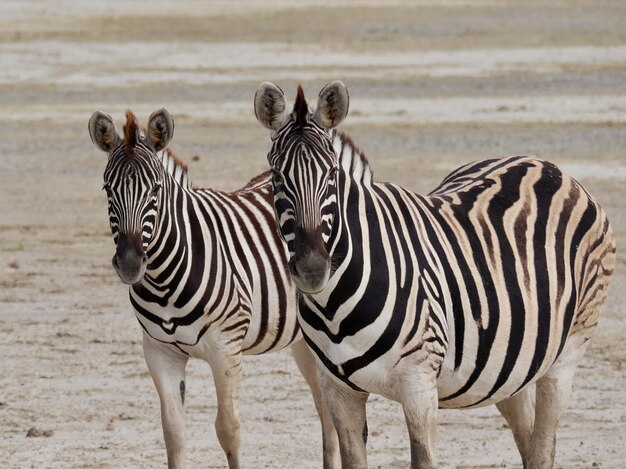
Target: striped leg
[[227, 374], [167, 368], [308, 367], [347, 408], [519, 412], [553, 390], [420, 403]]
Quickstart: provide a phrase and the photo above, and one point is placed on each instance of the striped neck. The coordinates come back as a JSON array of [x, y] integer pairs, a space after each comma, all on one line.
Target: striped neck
[[175, 168], [173, 234], [351, 159], [355, 171]]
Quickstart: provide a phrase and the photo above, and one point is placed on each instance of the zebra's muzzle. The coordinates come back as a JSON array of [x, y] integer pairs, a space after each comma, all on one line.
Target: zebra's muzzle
[[130, 260], [310, 272]]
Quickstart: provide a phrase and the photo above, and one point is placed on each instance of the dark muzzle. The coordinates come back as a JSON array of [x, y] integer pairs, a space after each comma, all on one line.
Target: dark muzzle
[[130, 260], [310, 272]]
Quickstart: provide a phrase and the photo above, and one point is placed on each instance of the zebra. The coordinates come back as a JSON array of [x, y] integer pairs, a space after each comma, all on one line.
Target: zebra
[[461, 298], [207, 275]]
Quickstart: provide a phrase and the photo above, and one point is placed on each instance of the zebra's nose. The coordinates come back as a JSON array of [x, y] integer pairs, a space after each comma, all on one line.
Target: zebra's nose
[[130, 261], [310, 272], [116, 265]]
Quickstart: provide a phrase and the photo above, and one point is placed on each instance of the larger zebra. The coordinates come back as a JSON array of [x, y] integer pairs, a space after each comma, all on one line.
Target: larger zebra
[[207, 275], [460, 298]]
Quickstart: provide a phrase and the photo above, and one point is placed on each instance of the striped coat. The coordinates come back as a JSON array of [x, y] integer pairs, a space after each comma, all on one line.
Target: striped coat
[[493, 273]]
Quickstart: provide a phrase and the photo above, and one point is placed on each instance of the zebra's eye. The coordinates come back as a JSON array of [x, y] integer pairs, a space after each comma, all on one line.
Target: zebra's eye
[[155, 189], [107, 188]]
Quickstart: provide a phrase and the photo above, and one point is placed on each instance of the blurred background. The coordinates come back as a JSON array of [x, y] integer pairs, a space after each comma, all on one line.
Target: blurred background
[[433, 84]]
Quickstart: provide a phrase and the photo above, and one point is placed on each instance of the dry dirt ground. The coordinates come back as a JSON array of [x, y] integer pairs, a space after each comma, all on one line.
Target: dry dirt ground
[[433, 85]]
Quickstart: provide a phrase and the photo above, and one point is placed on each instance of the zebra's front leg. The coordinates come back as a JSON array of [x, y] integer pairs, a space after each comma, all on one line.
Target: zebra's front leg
[[227, 372], [420, 402], [308, 367], [167, 368], [347, 409]]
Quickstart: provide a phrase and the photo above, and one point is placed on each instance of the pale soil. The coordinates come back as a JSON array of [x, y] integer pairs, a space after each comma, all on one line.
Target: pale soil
[[433, 85]]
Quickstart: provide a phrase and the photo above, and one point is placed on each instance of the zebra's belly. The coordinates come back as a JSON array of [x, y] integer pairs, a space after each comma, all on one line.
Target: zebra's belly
[[479, 394], [380, 377], [470, 386], [461, 388]]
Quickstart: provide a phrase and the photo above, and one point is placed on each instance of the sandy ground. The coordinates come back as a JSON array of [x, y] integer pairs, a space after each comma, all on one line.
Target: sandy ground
[[433, 85]]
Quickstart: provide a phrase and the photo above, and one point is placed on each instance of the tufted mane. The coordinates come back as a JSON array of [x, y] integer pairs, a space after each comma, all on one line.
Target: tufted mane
[[175, 166], [351, 158], [301, 108], [131, 129]]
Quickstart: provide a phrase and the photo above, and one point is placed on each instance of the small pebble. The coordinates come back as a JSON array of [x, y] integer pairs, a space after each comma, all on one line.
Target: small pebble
[[36, 432]]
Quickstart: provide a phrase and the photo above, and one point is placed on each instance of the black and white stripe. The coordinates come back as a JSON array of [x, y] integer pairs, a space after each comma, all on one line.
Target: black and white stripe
[[463, 297]]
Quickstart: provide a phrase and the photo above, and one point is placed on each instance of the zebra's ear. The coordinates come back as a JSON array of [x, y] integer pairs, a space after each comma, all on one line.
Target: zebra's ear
[[102, 132], [269, 106], [332, 105], [160, 129]]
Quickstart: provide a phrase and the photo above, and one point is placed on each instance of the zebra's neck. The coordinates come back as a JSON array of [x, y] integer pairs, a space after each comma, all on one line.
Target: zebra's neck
[[194, 219], [351, 160], [354, 171], [170, 249], [175, 168]]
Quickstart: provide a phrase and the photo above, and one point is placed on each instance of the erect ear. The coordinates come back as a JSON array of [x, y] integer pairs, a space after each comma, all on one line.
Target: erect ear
[[160, 129], [269, 106], [102, 132], [332, 105]]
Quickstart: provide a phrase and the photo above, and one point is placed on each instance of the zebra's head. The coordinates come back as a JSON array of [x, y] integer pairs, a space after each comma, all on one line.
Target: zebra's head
[[304, 175], [133, 180]]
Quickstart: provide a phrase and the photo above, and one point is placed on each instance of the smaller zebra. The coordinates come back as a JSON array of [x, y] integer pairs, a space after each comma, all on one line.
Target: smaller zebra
[[207, 276], [480, 292]]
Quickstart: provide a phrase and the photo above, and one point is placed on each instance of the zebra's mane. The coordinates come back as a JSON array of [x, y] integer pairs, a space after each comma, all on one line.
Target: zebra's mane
[[351, 158], [178, 170], [175, 167], [257, 182]]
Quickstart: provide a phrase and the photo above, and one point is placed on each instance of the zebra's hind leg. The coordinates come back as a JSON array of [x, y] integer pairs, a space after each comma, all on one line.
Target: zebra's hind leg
[[308, 367], [227, 372], [419, 402], [347, 408], [553, 390], [167, 368], [519, 412]]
